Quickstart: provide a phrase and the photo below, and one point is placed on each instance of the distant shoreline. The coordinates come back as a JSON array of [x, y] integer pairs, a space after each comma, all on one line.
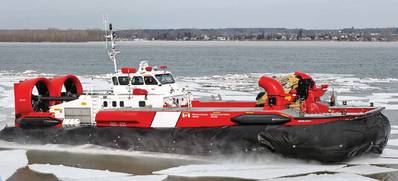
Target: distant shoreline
[[191, 41], [223, 34]]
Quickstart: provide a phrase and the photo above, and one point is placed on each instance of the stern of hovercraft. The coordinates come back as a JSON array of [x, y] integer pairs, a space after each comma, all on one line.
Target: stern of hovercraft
[[34, 97]]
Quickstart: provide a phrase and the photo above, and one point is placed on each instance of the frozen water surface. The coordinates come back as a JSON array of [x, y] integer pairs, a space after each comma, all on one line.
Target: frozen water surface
[[365, 169], [11, 161], [244, 171], [72, 173], [326, 177]]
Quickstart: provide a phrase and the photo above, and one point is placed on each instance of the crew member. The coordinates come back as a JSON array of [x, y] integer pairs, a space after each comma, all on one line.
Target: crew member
[[261, 99], [289, 82]]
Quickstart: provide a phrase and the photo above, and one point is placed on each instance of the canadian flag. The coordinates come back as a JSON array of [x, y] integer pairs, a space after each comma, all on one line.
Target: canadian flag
[[186, 115]]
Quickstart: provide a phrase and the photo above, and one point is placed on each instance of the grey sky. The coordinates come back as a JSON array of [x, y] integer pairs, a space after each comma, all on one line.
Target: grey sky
[[315, 14]]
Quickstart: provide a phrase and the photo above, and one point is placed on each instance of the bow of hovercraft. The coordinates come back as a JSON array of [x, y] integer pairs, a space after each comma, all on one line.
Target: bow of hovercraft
[[334, 138]]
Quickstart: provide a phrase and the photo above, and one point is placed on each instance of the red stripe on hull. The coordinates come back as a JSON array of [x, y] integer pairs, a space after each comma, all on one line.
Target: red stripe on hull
[[195, 119], [309, 121], [206, 119]]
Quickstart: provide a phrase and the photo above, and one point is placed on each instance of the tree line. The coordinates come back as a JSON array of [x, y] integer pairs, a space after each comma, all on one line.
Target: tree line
[[256, 34], [51, 35]]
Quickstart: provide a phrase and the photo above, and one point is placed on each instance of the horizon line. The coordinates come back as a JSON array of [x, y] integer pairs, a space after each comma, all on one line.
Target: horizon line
[[63, 29]]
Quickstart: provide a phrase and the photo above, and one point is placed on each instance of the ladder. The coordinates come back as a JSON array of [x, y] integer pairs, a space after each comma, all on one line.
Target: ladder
[[94, 108]]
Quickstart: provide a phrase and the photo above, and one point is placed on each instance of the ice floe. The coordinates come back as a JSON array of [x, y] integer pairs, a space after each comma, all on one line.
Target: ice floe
[[274, 167], [73, 173], [95, 149], [2, 124], [389, 156], [394, 131], [365, 169], [246, 171], [11, 161], [277, 172], [2, 118], [393, 142], [326, 177], [389, 153]]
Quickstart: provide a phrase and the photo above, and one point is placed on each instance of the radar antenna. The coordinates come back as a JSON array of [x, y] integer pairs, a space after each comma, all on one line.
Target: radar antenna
[[111, 36]]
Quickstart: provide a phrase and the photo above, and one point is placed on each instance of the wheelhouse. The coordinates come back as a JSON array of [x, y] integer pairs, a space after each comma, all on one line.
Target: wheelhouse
[[157, 79]]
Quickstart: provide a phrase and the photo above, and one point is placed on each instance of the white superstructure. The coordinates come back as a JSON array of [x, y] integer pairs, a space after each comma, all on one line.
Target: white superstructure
[[145, 87]]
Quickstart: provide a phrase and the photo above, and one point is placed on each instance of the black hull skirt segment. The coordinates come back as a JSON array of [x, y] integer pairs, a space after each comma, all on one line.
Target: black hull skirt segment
[[259, 119], [38, 122], [328, 142], [195, 141]]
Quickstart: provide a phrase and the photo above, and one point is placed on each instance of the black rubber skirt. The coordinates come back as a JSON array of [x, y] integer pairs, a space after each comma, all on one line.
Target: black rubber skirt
[[328, 142]]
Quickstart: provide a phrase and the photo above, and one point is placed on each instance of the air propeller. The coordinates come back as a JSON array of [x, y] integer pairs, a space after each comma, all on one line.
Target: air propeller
[[70, 89], [34, 97], [40, 90], [63, 89]]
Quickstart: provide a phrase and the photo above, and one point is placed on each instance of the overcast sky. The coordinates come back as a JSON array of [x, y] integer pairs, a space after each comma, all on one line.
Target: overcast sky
[[310, 14]]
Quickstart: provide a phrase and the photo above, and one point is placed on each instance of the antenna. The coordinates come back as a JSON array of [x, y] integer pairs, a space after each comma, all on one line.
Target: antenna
[[109, 34], [106, 30]]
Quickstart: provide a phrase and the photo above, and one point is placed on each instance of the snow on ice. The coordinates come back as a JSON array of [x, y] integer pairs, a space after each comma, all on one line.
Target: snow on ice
[[365, 169], [73, 173], [248, 171], [326, 177], [11, 161]]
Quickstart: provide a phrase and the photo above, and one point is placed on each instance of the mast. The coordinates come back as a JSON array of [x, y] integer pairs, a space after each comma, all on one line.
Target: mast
[[111, 36]]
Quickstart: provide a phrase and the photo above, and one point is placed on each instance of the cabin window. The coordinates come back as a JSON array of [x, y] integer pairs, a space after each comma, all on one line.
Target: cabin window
[[124, 80], [149, 80], [114, 80], [105, 104], [137, 80], [114, 103], [141, 103], [165, 78], [121, 103]]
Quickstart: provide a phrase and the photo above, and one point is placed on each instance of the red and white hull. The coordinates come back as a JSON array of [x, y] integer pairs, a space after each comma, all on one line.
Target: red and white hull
[[153, 122]]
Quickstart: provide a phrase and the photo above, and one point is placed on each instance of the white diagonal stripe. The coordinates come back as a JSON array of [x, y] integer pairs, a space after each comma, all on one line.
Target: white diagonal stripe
[[165, 119]]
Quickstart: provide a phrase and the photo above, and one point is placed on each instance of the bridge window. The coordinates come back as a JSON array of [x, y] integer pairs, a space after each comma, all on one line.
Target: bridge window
[[121, 103], [114, 103], [124, 80], [165, 78], [149, 80], [114, 80], [105, 104], [137, 80]]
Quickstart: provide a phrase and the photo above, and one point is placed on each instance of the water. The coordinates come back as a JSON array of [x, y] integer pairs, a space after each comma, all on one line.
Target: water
[[377, 60], [359, 72], [350, 68]]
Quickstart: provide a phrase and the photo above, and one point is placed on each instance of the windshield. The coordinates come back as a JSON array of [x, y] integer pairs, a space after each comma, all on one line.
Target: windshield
[[124, 80], [137, 80], [149, 80], [114, 80], [165, 78]]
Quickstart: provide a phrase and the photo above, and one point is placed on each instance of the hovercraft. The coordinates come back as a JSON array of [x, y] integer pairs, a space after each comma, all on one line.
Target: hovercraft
[[147, 111]]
